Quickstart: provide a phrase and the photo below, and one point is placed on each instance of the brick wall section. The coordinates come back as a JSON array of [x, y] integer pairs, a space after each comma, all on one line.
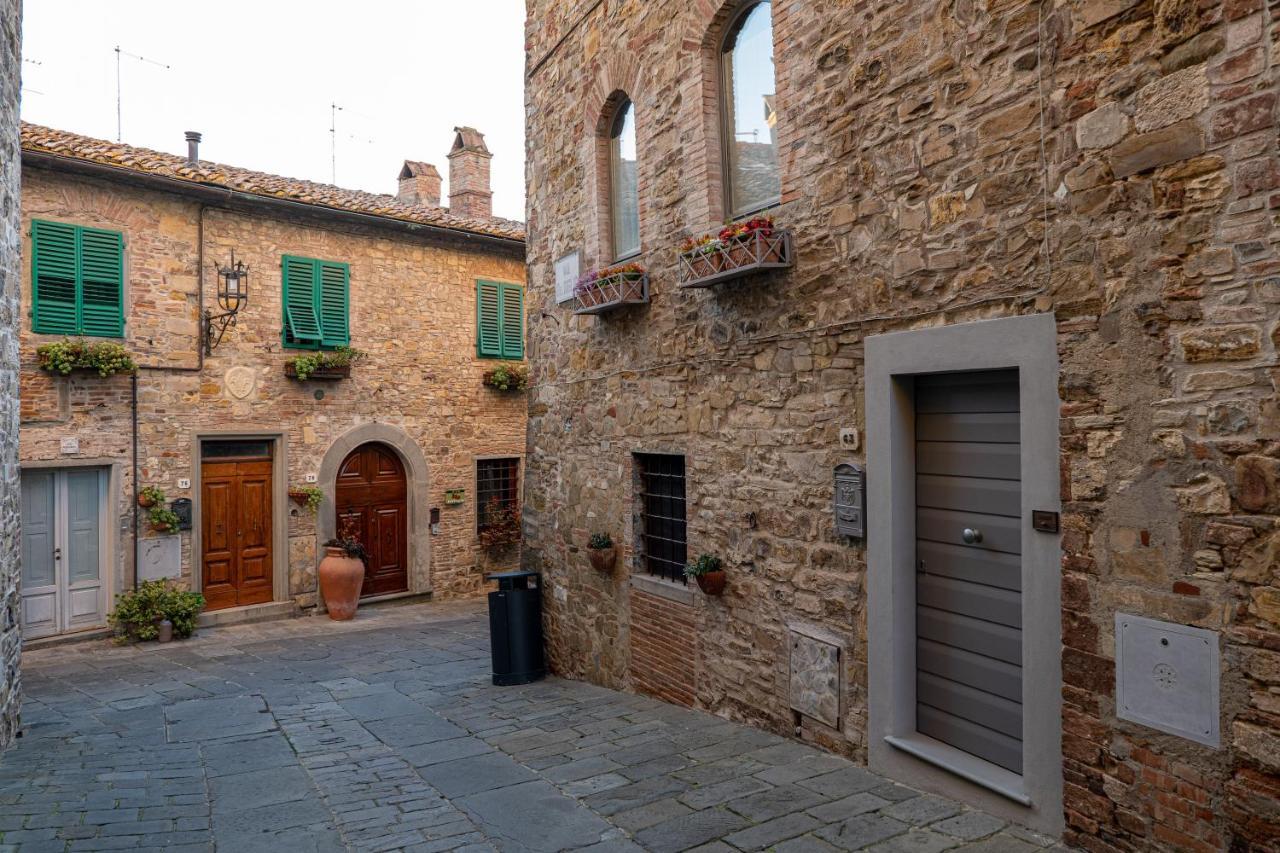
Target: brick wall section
[[664, 648], [10, 261], [412, 310], [1110, 161]]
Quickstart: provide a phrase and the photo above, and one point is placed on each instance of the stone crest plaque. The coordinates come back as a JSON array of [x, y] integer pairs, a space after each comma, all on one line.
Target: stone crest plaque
[[240, 382]]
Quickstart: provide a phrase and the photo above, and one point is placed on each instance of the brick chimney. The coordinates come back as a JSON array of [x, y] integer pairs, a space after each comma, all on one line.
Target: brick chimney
[[419, 184], [469, 193]]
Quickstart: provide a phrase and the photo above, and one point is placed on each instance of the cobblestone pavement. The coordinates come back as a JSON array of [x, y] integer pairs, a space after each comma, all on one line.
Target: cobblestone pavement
[[385, 734]]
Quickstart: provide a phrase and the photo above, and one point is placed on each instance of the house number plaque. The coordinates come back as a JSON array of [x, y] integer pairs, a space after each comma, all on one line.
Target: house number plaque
[[850, 503]]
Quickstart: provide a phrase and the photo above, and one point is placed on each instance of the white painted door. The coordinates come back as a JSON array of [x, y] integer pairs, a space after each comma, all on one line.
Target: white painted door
[[63, 550]]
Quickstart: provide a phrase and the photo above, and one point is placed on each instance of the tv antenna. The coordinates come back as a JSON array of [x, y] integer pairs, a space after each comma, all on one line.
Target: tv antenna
[[122, 53], [333, 143]]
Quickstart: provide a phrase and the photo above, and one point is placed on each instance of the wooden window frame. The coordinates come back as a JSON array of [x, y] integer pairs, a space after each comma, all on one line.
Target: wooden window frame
[[728, 130], [326, 340], [78, 232], [506, 349]]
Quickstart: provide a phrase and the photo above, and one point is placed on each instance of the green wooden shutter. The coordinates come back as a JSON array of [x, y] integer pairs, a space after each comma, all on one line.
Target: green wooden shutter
[[489, 319], [512, 321], [302, 323], [101, 283], [333, 292], [54, 303]]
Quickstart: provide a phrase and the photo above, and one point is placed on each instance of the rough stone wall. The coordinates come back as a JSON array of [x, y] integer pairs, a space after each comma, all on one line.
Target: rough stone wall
[[10, 261], [412, 311], [1111, 161]]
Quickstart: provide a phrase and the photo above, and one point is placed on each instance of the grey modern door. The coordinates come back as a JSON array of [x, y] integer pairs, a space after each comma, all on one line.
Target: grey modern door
[[63, 549], [969, 568]]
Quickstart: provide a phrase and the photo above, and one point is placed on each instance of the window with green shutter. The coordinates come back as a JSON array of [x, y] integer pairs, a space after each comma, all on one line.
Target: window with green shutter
[[499, 320], [316, 296], [77, 276]]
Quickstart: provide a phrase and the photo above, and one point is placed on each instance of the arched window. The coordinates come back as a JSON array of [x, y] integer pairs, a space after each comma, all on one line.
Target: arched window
[[751, 172], [624, 191]]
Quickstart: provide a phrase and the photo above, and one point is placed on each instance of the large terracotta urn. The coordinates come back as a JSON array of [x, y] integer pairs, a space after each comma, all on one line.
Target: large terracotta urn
[[340, 580]]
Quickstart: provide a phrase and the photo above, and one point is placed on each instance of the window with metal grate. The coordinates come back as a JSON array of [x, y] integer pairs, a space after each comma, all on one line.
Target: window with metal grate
[[662, 509], [496, 487]]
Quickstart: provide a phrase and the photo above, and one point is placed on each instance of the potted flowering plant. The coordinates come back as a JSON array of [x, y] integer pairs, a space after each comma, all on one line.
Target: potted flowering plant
[[703, 254], [164, 520], [616, 285], [602, 553], [150, 496], [742, 240], [708, 571], [323, 364], [501, 525], [309, 496]]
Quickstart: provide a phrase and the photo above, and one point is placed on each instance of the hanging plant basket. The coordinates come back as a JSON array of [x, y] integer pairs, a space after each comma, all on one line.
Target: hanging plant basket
[[734, 257]]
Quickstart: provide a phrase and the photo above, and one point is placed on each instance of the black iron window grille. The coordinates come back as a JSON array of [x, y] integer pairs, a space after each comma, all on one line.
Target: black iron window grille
[[496, 487], [662, 509]]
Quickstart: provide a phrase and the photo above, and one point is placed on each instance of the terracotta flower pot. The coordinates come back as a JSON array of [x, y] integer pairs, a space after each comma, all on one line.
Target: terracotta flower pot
[[712, 583], [590, 297], [340, 580], [146, 502], [603, 559]]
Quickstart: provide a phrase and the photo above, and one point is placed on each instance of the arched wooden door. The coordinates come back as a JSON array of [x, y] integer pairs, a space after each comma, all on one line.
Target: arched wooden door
[[371, 503]]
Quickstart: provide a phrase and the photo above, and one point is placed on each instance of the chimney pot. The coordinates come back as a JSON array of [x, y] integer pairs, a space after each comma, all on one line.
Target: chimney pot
[[419, 184], [193, 147], [469, 192]]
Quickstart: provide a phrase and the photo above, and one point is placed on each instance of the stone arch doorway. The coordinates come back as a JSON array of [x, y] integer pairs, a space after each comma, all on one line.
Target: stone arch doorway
[[371, 502]]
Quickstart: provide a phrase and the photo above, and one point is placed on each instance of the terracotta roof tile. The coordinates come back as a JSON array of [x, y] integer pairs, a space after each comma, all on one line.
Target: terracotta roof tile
[[65, 144]]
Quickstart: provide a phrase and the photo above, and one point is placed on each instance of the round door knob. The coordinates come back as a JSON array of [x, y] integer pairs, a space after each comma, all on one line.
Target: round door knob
[[971, 536]]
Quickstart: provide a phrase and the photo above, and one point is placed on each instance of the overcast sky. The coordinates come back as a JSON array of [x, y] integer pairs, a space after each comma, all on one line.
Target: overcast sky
[[256, 77]]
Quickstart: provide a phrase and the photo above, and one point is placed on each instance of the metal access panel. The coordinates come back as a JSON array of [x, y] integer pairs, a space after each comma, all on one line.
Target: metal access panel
[[1167, 677], [159, 557]]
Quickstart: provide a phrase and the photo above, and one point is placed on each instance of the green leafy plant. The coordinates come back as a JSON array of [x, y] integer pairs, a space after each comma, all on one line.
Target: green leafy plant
[[139, 611], [600, 541], [164, 519], [321, 360], [501, 524], [105, 358], [150, 496], [508, 377], [704, 565], [309, 496]]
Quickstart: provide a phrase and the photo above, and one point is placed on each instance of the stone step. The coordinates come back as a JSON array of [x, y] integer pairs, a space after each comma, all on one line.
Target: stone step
[[268, 612]]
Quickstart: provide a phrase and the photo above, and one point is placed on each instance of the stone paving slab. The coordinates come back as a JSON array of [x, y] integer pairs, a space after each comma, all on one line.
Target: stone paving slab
[[385, 733]]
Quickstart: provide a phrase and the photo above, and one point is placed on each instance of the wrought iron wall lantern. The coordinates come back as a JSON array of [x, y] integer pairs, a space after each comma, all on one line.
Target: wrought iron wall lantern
[[233, 294]]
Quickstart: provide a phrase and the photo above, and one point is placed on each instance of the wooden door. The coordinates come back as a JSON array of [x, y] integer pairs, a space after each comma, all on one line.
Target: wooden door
[[969, 572], [235, 532], [372, 504]]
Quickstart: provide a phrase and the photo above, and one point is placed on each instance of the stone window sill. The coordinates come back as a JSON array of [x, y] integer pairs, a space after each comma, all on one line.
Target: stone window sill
[[662, 588]]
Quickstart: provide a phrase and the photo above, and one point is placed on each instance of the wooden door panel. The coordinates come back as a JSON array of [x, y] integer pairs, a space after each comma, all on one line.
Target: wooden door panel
[[371, 503], [217, 535], [236, 533]]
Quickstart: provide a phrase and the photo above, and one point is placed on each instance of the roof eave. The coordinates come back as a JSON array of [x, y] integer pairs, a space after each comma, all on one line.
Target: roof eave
[[219, 194]]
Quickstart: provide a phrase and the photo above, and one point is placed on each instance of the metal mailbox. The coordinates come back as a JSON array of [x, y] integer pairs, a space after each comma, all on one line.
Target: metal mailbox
[[850, 502]]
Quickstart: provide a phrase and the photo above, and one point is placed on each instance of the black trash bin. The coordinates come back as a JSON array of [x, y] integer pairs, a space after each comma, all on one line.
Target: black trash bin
[[515, 628]]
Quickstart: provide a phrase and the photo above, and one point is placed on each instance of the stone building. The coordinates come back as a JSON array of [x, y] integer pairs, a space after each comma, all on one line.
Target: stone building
[[10, 249], [1022, 280], [134, 247]]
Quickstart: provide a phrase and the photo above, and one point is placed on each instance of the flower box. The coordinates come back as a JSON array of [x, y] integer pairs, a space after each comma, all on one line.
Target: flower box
[[321, 374], [736, 257], [614, 291]]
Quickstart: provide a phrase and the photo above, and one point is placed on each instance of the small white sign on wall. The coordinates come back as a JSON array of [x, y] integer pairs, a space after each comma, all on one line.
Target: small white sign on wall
[[159, 557], [566, 277], [70, 446]]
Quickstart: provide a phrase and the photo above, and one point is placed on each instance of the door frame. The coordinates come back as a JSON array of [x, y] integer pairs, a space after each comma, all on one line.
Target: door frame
[[418, 498], [112, 544], [1029, 344], [279, 507]]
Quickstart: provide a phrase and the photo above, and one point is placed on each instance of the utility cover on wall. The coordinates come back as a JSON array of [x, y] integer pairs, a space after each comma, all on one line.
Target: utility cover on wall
[[159, 557], [1167, 677]]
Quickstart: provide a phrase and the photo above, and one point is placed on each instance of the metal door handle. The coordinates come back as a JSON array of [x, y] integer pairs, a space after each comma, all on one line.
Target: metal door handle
[[57, 553], [971, 536]]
